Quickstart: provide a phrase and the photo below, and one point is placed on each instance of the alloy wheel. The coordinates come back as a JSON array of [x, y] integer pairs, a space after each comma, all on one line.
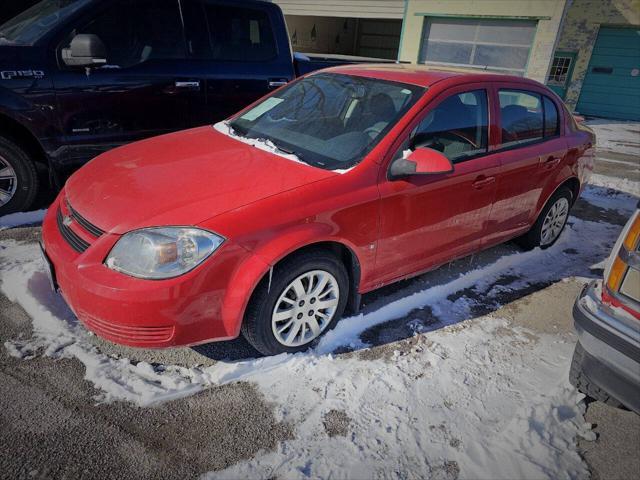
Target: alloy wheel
[[305, 308], [8, 182], [554, 221]]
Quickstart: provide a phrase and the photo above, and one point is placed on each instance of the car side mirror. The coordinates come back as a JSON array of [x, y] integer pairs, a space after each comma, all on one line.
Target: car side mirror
[[85, 50], [422, 161]]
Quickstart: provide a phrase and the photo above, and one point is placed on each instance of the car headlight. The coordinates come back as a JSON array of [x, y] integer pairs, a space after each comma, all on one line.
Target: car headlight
[[158, 253]]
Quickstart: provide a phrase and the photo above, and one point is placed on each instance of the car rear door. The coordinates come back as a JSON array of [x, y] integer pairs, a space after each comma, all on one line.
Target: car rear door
[[427, 220], [530, 149], [142, 91], [242, 51]]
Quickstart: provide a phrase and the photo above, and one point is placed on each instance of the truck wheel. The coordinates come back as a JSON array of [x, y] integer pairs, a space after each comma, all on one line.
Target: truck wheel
[[582, 383], [18, 178], [550, 223], [307, 296]]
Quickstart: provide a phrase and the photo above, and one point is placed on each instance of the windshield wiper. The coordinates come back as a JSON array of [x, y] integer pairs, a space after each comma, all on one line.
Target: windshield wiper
[[288, 151], [237, 131]]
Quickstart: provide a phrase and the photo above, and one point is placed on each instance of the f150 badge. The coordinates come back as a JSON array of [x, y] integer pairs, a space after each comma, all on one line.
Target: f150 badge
[[11, 74]]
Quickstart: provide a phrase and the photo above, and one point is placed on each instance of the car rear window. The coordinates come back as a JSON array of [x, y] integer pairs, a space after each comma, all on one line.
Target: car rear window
[[522, 117]]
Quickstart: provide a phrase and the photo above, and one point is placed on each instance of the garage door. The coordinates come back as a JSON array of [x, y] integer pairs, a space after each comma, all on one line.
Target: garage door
[[611, 87]]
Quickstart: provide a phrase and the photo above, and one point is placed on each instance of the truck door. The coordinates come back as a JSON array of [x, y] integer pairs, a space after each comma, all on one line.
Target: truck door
[[144, 89], [242, 49]]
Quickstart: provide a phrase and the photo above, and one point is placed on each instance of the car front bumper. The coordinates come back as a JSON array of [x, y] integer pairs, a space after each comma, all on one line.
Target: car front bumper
[[194, 308], [612, 347]]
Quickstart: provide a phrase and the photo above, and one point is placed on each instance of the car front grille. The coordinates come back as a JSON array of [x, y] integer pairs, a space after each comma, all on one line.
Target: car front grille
[[72, 238], [88, 226], [75, 229]]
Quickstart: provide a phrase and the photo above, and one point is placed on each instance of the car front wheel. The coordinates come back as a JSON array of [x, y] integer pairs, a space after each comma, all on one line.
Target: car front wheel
[[306, 297]]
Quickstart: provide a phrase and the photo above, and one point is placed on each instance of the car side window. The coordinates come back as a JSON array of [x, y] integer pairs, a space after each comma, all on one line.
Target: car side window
[[136, 31], [457, 126], [235, 33], [522, 117], [551, 122]]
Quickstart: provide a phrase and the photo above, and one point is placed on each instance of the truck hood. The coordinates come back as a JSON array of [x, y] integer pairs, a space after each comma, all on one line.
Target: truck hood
[[182, 178]]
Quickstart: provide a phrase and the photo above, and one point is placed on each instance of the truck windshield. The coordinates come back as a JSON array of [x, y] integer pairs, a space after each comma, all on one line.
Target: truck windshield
[[29, 26], [328, 120]]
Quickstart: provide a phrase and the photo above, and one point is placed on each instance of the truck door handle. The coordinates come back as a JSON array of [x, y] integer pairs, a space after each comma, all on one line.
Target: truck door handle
[[483, 181], [189, 85], [277, 83]]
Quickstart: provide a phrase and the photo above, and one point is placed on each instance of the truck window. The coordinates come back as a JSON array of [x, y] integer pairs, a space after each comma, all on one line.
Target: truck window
[[234, 33], [149, 30], [29, 26]]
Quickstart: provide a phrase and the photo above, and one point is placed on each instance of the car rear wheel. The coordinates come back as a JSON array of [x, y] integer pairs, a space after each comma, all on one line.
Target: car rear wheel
[[550, 223], [307, 296], [18, 178]]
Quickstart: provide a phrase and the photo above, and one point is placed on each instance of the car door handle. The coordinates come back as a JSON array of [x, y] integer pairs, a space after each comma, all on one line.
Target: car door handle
[[483, 181], [189, 84], [277, 83], [551, 162]]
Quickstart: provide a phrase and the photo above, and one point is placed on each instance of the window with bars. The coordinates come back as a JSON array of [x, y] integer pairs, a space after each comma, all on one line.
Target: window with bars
[[559, 70], [501, 45]]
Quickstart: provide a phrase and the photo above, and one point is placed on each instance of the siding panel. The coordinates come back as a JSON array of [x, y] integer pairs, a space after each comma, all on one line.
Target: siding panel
[[346, 8]]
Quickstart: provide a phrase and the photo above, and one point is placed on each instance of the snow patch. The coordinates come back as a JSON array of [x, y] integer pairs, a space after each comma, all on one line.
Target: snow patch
[[620, 184]]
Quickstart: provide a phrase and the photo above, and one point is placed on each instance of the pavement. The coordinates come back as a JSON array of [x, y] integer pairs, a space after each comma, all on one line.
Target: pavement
[[51, 426]]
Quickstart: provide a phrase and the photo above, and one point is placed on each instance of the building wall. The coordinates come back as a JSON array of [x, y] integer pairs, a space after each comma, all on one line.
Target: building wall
[[548, 14], [344, 8], [580, 31]]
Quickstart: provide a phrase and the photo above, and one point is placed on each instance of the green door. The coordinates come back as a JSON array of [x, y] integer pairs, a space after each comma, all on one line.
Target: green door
[[611, 86]]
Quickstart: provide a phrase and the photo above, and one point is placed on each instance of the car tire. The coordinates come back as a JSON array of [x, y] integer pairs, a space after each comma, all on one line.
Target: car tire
[[537, 235], [19, 190], [311, 268], [579, 380]]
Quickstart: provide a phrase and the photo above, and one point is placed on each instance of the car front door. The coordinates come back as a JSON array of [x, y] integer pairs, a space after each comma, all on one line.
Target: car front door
[[427, 220], [239, 50], [142, 90], [530, 149]]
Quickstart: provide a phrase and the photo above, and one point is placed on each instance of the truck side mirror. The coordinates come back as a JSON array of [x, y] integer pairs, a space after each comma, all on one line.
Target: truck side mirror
[[85, 50], [422, 161]]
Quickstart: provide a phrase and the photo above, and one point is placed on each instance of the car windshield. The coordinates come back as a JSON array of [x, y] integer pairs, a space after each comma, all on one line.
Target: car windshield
[[328, 120], [29, 26]]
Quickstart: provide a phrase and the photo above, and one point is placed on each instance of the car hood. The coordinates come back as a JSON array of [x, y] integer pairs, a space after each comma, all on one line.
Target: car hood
[[182, 178]]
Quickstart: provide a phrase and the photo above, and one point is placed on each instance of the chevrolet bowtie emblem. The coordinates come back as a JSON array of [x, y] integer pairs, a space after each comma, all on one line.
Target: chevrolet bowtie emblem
[[66, 220]]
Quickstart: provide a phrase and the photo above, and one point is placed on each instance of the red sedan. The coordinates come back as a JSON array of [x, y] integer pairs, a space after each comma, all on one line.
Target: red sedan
[[274, 222]]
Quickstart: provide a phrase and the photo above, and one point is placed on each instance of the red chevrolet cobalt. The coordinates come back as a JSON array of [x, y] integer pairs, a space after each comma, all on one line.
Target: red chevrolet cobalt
[[274, 222]]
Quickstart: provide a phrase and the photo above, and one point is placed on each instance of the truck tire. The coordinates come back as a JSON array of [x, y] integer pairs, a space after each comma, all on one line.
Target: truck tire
[[299, 285], [18, 178], [550, 223], [579, 380]]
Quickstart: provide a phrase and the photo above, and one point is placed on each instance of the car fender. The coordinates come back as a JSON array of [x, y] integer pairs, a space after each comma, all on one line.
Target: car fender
[[552, 187], [261, 261]]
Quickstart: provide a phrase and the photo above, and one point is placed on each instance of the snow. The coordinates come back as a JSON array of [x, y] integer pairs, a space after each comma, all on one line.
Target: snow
[[21, 218], [616, 135], [619, 184], [474, 397]]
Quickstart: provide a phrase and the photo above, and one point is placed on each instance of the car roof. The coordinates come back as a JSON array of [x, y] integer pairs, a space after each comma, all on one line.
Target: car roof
[[421, 75]]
